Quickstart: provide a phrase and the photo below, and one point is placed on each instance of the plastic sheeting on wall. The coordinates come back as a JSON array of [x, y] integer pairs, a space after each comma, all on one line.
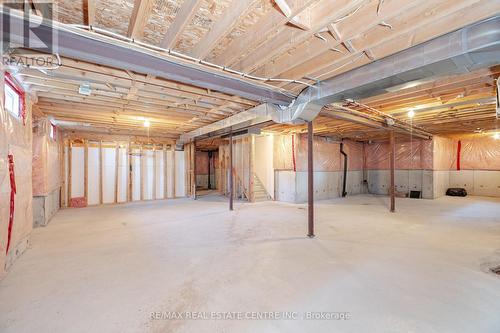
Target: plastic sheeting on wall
[[283, 159], [46, 159], [480, 153], [410, 155], [444, 153], [16, 140], [202, 163], [326, 154]]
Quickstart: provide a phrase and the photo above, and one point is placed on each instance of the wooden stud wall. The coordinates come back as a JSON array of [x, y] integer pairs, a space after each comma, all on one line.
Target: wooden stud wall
[[168, 171]]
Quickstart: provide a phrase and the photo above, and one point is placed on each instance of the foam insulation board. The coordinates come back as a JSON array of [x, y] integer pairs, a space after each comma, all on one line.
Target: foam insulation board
[[170, 174], [77, 172], [180, 187], [108, 175], [148, 174], [93, 176], [122, 175], [136, 175]]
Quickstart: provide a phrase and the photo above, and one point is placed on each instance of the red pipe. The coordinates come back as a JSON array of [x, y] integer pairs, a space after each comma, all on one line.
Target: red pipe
[[12, 195], [459, 152], [293, 153]]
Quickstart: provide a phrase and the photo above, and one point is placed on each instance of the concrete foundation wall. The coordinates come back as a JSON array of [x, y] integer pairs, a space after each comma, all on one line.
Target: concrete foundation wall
[[202, 181], [441, 183], [405, 181], [476, 182], [45, 207], [292, 186]]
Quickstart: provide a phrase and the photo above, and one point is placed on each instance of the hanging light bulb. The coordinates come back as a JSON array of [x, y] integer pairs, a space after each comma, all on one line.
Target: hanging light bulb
[[496, 136], [411, 113], [147, 123]]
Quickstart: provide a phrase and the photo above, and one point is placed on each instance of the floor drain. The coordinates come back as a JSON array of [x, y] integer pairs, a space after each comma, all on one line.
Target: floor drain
[[496, 270]]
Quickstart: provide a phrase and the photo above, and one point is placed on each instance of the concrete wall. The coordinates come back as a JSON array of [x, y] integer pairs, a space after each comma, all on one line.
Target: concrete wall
[[45, 207], [405, 181], [477, 182], [16, 140], [292, 186]]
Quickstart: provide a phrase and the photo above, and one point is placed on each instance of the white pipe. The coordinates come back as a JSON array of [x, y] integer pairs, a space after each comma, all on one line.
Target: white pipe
[[184, 56]]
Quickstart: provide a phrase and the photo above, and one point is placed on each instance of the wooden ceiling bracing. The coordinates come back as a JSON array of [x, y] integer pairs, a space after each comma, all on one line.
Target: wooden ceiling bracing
[[455, 104], [120, 100], [305, 40]]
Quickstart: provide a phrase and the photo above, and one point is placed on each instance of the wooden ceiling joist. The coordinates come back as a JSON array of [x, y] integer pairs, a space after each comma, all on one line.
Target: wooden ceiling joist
[[221, 28], [306, 40], [182, 19], [89, 12], [140, 15]]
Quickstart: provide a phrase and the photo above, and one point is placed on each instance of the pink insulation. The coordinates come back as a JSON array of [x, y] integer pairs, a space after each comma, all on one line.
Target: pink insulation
[[326, 154], [283, 158], [80, 202], [15, 140], [327, 157], [354, 151], [46, 159], [202, 163], [412, 155], [480, 153], [444, 154]]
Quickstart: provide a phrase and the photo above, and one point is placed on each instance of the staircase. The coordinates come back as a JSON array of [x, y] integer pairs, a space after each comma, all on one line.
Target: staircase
[[260, 193]]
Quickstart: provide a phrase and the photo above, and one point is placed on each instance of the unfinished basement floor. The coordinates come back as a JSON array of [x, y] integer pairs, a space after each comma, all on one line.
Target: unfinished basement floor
[[423, 269]]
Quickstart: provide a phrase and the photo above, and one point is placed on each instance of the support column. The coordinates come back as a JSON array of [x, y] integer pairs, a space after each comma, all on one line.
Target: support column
[[209, 185], [117, 170], [70, 164], [86, 172], [194, 170], [310, 179], [130, 174], [392, 190], [173, 171], [251, 185], [100, 173], [231, 189]]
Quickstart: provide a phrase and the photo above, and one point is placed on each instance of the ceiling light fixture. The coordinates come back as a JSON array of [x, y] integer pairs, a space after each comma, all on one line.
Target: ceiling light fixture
[[411, 113], [147, 123], [496, 136]]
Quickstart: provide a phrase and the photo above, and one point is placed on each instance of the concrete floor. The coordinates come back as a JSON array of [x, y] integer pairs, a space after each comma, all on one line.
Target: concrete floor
[[105, 269]]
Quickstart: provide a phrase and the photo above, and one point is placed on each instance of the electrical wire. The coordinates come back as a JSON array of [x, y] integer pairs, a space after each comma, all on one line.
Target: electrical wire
[[176, 54]]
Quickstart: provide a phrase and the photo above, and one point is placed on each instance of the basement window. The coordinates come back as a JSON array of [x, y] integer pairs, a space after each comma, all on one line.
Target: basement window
[[14, 98], [52, 131]]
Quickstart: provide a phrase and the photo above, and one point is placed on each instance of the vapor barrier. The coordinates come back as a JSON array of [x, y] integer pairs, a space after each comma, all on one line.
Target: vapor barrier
[[410, 155], [15, 140], [480, 153]]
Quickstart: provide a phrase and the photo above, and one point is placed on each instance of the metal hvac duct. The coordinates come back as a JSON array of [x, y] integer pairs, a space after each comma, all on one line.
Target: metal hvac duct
[[470, 48], [82, 45]]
